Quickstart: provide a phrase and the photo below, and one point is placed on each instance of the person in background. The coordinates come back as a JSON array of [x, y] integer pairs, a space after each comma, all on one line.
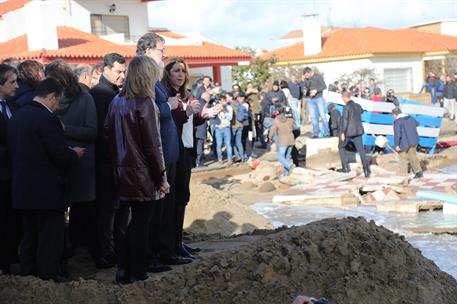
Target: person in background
[[111, 221], [79, 116], [132, 134], [10, 221], [366, 94], [83, 73], [239, 121], [276, 95], [430, 84], [11, 61], [406, 140], [205, 87], [284, 124], [41, 162], [29, 74], [352, 130], [201, 132], [439, 89], [259, 119], [377, 97], [334, 87], [223, 130], [96, 73], [450, 95], [294, 87], [314, 90], [236, 90], [372, 86], [334, 121]]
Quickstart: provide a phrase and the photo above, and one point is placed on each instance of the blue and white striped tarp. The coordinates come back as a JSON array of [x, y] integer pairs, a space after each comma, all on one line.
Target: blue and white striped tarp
[[378, 120]]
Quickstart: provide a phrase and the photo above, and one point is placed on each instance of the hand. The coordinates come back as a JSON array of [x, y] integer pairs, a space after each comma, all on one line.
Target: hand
[[164, 187], [79, 151], [209, 112], [343, 137], [313, 92], [195, 105], [397, 148], [301, 300], [173, 102]]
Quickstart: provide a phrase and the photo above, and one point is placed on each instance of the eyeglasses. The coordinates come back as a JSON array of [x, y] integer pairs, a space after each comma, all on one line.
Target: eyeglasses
[[161, 50]]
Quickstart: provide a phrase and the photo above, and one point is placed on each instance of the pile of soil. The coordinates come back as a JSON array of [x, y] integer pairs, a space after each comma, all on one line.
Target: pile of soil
[[348, 261], [212, 211]]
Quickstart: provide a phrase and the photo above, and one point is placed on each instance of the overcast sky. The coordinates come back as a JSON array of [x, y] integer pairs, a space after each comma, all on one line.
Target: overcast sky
[[259, 23]]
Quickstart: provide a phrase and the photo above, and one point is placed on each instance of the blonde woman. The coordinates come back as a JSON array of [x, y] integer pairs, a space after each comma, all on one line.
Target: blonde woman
[[132, 135]]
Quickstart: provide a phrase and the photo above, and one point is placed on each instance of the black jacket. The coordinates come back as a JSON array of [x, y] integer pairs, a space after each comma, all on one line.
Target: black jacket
[[335, 120], [5, 165], [40, 158], [24, 93], [103, 93], [315, 82], [351, 124], [449, 90]]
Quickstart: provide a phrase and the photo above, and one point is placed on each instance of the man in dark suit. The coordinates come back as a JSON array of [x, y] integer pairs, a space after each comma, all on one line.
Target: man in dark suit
[[352, 130], [111, 221], [9, 219], [40, 157], [163, 224]]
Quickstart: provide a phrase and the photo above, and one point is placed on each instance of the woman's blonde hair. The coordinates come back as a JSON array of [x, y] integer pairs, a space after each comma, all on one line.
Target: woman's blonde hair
[[142, 75]]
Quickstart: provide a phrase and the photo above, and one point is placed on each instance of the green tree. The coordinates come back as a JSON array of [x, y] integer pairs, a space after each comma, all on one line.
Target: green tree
[[257, 71]]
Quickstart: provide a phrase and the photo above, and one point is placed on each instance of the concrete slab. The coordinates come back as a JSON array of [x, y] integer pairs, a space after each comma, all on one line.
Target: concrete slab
[[315, 145], [409, 206], [347, 199]]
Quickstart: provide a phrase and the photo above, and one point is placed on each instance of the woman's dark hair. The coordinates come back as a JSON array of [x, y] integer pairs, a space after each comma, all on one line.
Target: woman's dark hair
[[30, 72], [5, 71], [166, 79], [283, 84], [62, 72]]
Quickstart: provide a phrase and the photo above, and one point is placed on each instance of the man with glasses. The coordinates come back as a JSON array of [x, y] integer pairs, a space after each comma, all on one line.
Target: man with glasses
[[162, 239]]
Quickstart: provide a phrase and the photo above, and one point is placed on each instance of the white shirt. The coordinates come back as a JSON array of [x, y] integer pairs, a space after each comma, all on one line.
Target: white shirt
[[188, 131]]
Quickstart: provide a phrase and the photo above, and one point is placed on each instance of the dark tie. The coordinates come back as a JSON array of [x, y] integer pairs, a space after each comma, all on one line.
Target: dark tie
[[4, 112]]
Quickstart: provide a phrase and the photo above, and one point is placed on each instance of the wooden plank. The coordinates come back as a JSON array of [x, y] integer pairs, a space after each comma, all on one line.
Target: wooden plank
[[388, 130]]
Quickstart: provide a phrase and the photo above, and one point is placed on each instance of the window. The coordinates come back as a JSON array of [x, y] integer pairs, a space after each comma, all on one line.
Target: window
[[400, 80], [109, 24]]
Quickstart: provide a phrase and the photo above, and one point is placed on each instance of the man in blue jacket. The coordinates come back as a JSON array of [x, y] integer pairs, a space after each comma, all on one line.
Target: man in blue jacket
[[163, 226], [406, 141]]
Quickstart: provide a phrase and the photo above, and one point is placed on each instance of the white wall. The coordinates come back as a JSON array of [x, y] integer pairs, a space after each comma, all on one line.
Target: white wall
[[334, 70], [135, 9], [15, 25], [200, 72], [226, 77], [449, 28]]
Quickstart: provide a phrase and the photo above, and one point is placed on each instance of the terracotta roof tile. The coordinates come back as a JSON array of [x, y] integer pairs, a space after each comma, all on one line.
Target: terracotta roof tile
[[370, 41], [77, 44], [170, 34], [11, 5]]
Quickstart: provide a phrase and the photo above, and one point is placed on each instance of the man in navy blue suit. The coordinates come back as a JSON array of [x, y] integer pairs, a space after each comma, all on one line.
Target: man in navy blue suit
[[10, 222], [40, 158], [163, 226]]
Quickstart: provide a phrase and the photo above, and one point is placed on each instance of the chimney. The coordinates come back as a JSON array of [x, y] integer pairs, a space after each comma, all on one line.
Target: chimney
[[41, 25], [311, 34]]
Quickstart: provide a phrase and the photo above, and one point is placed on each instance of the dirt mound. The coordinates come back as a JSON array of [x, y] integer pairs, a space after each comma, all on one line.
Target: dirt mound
[[347, 261], [214, 211]]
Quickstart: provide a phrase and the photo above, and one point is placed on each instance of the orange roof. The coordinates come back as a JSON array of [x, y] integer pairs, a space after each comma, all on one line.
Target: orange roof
[[170, 34], [75, 44], [11, 5], [368, 42], [299, 33]]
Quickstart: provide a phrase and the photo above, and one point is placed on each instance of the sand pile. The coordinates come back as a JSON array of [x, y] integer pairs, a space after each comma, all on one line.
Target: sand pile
[[347, 261], [213, 211]]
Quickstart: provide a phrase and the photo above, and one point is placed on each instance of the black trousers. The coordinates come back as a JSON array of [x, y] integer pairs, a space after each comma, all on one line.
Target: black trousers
[[43, 242], [111, 220], [162, 238], [10, 228], [357, 140], [184, 170], [82, 226], [134, 244], [200, 147]]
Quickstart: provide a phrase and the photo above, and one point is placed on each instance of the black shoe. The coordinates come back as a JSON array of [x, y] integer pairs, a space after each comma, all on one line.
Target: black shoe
[[315, 136], [121, 277], [106, 262], [191, 249], [175, 260], [155, 267], [182, 252], [419, 174], [343, 170]]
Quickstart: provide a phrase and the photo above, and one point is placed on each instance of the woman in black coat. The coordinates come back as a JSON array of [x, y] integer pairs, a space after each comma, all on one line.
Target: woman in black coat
[[79, 118], [29, 74]]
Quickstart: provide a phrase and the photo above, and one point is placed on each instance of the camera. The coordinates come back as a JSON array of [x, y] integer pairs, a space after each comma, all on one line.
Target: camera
[[288, 112]]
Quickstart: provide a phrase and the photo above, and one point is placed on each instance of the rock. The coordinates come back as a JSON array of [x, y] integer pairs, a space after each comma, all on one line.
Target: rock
[[267, 187], [247, 185], [283, 187]]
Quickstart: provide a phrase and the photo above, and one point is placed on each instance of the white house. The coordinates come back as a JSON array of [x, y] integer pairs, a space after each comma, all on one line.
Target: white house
[[397, 56], [85, 30]]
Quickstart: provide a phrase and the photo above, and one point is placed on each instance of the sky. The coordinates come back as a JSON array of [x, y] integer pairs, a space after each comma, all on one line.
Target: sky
[[260, 23]]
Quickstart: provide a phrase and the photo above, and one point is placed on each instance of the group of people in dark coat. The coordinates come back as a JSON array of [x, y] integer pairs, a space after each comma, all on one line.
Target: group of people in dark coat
[[109, 155]]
